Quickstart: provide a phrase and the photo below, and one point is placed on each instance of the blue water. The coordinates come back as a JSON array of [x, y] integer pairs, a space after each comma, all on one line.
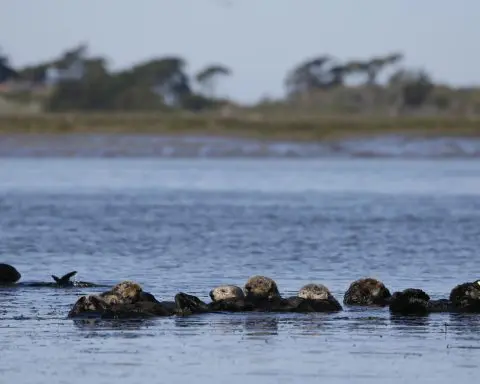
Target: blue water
[[189, 225]]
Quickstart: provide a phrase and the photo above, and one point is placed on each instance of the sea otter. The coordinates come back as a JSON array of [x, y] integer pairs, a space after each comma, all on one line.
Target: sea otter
[[318, 298], [367, 292], [226, 292], [413, 301], [63, 282], [8, 274], [466, 297]]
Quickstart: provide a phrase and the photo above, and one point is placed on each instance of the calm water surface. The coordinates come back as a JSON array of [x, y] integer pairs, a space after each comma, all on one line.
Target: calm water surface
[[192, 224]]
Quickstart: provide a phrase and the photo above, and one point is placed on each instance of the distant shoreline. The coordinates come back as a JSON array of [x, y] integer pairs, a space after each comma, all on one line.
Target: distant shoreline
[[209, 136], [252, 126]]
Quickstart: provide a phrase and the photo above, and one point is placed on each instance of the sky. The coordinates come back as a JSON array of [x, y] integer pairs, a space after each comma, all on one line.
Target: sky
[[260, 40]]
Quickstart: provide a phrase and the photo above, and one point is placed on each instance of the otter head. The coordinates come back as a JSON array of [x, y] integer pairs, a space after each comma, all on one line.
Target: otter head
[[367, 291], [90, 303], [473, 290], [261, 287], [8, 274], [314, 292], [415, 293], [127, 292], [226, 292], [409, 301], [188, 304]]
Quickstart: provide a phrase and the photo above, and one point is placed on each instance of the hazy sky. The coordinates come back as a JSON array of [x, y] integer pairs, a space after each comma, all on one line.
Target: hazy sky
[[259, 39]]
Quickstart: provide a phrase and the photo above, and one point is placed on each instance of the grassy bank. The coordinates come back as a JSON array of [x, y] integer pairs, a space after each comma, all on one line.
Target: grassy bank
[[301, 128]]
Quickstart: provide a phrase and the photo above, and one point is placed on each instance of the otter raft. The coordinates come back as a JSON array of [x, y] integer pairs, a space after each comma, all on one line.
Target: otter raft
[[261, 294], [127, 299]]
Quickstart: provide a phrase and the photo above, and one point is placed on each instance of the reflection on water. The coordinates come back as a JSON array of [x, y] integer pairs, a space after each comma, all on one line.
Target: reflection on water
[[191, 225]]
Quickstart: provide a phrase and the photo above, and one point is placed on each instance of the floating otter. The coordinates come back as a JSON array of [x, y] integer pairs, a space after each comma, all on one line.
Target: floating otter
[[226, 292], [8, 274], [409, 301], [466, 297], [62, 282], [367, 292], [314, 292], [227, 298], [413, 301], [261, 288], [65, 281], [318, 298]]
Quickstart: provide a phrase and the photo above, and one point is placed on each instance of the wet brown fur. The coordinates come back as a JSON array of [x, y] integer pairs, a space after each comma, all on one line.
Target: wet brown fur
[[261, 287], [314, 292], [367, 291]]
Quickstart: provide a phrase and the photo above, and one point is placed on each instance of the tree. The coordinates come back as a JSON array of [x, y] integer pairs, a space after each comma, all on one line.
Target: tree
[[373, 67], [72, 56], [412, 87], [166, 77], [91, 92], [6, 71], [208, 76], [4, 61], [338, 73], [309, 75]]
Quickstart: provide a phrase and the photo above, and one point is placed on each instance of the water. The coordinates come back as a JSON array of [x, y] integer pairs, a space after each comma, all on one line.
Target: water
[[134, 145], [189, 225]]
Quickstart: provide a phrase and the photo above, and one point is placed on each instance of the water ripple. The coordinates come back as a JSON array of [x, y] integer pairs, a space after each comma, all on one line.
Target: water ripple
[[188, 226]]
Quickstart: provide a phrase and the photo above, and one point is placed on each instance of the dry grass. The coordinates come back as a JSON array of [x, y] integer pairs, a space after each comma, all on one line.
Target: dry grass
[[298, 128]]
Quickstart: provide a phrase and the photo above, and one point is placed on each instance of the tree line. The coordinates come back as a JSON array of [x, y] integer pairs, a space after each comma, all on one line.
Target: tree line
[[80, 82]]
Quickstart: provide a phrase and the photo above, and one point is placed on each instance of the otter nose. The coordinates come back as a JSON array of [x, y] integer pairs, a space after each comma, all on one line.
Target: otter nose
[[211, 294]]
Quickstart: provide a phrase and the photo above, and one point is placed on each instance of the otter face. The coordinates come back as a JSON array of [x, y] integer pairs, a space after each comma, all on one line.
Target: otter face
[[226, 292], [474, 292], [314, 292], [127, 292], [90, 303], [261, 287], [111, 299]]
